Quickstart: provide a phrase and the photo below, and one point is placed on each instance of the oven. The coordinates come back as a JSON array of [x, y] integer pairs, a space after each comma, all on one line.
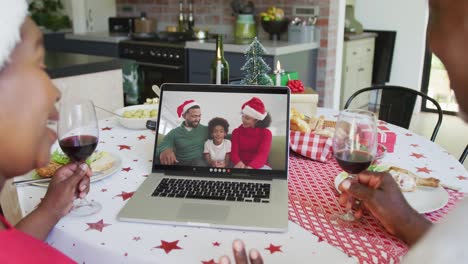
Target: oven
[[157, 62]]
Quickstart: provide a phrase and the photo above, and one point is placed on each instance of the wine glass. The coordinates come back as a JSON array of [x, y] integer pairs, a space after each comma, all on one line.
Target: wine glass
[[354, 146], [78, 134]]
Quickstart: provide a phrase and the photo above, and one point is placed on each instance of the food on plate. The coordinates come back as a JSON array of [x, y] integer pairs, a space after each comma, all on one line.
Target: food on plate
[[140, 113], [99, 162], [318, 125], [409, 181], [49, 170], [152, 101]]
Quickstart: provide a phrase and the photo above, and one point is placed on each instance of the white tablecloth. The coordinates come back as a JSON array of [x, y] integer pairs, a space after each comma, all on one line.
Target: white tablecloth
[[102, 239]]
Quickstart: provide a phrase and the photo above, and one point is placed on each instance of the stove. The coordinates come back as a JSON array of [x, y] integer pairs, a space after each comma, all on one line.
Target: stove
[[160, 60]]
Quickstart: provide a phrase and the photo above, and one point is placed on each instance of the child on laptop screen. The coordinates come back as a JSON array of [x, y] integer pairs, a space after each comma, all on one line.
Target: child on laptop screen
[[217, 150]]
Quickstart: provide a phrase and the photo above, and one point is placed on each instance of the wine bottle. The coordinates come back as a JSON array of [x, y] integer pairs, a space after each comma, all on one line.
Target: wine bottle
[[181, 20], [191, 21], [219, 66]]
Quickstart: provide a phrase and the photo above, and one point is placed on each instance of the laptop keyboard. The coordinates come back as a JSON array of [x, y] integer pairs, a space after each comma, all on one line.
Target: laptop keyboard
[[214, 190]]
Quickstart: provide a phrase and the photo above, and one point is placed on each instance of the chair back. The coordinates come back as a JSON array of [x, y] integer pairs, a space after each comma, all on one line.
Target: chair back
[[393, 104]]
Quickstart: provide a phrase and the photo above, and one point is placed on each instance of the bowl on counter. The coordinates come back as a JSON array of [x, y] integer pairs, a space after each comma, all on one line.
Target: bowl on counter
[[135, 116], [275, 27]]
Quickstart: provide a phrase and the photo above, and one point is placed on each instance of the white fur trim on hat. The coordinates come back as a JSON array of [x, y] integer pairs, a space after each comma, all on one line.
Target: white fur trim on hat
[[12, 15], [253, 113]]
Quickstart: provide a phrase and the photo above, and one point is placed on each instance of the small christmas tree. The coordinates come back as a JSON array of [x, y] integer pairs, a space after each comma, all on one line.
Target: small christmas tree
[[255, 68]]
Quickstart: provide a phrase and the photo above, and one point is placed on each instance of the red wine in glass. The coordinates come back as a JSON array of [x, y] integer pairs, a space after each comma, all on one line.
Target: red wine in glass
[[79, 148], [354, 147], [353, 162], [78, 133]]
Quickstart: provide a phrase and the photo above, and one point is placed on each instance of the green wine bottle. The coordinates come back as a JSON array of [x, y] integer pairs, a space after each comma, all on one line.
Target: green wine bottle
[[219, 66]]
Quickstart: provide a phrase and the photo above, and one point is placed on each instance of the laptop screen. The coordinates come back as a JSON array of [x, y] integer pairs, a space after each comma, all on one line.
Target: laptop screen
[[223, 130]]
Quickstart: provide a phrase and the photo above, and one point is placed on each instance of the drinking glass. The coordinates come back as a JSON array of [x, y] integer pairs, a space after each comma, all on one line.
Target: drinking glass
[[354, 146], [78, 135]]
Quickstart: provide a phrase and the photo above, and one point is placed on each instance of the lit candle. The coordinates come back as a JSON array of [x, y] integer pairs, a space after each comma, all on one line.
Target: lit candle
[[278, 73]]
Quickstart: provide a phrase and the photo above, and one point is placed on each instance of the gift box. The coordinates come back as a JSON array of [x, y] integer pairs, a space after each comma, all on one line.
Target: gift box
[[385, 137], [305, 102], [310, 145], [285, 77]]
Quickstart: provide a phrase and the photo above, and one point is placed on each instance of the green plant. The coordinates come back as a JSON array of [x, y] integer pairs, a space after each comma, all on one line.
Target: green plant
[[49, 14]]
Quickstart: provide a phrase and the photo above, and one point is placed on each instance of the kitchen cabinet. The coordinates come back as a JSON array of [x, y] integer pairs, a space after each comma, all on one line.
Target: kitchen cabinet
[[57, 42], [358, 57]]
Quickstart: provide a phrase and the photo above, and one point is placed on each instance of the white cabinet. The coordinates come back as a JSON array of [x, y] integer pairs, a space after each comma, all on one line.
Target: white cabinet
[[92, 15], [358, 57]]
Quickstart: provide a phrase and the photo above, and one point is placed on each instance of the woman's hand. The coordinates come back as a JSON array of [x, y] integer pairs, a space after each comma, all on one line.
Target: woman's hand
[[240, 256], [69, 182], [240, 165]]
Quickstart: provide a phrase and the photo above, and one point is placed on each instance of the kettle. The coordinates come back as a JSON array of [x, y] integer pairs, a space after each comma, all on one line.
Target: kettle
[[144, 24]]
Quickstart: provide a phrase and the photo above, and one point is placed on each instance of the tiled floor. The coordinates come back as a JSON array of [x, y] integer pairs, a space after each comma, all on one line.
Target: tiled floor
[[453, 134]]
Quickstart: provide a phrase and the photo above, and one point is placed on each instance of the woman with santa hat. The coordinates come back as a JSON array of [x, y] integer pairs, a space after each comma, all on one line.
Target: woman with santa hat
[[27, 104], [251, 141]]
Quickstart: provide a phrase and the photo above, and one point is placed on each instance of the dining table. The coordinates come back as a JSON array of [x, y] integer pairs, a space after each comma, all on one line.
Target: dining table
[[312, 236]]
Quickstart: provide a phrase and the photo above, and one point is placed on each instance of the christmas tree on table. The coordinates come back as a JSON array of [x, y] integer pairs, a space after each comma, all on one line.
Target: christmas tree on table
[[255, 69]]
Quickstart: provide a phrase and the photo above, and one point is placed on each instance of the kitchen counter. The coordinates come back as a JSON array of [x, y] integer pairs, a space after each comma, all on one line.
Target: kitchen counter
[[63, 64], [98, 37], [274, 48]]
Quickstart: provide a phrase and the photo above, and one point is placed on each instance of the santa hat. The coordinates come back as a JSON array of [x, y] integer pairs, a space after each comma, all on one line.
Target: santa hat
[[186, 106], [12, 16], [254, 108]]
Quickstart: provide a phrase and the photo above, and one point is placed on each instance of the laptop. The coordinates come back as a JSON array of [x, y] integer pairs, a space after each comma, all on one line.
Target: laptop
[[205, 176]]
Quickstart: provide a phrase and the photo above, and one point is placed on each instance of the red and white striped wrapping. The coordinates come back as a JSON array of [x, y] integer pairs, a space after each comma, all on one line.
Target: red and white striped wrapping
[[310, 145]]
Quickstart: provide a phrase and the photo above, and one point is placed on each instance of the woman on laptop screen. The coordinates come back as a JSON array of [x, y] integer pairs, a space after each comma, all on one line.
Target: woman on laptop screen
[[251, 141]]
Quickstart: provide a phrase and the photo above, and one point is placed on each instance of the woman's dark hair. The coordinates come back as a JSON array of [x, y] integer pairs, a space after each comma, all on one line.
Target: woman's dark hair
[[217, 121], [266, 122]]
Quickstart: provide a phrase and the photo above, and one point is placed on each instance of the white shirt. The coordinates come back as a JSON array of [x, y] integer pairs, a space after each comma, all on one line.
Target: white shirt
[[445, 242], [217, 152]]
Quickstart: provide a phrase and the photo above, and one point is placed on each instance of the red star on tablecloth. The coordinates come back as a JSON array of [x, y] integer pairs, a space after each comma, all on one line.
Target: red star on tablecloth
[[462, 178], [272, 248], [414, 145], [211, 261], [320, 239], [125, 195], [141, 137], [216, 244], [168, 246], [106, 128], [122, 147], [127, 169], [417, 155], [424, 169], [103, 190], [137, 238], [99, 225]]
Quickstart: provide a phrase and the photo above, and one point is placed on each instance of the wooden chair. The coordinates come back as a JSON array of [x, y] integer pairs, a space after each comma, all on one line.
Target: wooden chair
[[395, 104]]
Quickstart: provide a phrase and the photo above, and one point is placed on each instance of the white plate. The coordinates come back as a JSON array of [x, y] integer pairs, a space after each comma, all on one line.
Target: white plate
[[115, 167], [423, 200]]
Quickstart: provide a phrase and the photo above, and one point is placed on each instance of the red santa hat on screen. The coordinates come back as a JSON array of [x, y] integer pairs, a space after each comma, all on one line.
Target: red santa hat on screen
[[254, 108], [185, 106], [12, 16]]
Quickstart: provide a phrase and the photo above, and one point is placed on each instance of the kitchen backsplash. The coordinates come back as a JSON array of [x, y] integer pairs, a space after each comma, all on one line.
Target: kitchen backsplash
[[217, 16]]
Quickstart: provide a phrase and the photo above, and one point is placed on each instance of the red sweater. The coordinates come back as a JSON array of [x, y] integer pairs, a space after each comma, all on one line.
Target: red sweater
[[18, 247], [251, 146]]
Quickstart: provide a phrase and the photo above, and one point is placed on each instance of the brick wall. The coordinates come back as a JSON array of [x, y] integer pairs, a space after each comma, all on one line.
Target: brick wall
[[218, 13]]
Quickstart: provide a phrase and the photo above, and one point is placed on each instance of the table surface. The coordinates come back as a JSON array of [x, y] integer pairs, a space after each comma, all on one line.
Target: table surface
[[310, 237]]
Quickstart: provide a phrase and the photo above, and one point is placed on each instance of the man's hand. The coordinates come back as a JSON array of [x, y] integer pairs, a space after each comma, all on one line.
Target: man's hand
[[240, 165], [382, 196], [240, 256], [168, 157], [69, 182]]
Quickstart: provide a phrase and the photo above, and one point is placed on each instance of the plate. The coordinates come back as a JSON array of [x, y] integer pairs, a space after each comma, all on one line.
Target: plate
[[115, 167], [423, 200]]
